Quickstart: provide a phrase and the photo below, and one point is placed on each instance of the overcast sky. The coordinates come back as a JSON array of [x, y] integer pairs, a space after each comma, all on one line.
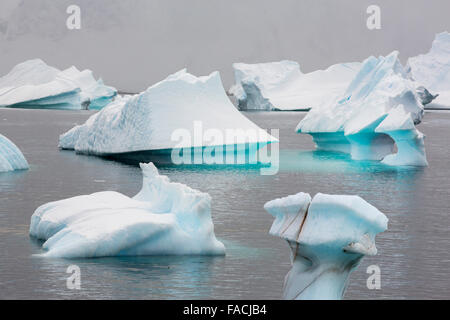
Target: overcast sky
[[133, 44]]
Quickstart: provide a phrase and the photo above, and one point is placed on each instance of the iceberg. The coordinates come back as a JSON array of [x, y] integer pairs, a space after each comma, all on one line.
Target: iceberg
[[147, 121], [377, 112], [34, 84], [282, 86], [328, 236], [11, 158], [432, 71], [425, 96], [164, 218]]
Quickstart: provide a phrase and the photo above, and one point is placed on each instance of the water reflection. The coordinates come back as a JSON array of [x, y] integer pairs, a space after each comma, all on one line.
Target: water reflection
[[335, 162], [146, 277], [9, 180], [143, 277]]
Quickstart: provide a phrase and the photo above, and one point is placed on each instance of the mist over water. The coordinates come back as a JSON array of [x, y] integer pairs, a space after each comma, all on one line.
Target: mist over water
[[413, 254]]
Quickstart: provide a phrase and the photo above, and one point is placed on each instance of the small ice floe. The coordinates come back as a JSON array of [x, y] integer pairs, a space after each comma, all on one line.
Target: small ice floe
[[328, 236], [164, 218]]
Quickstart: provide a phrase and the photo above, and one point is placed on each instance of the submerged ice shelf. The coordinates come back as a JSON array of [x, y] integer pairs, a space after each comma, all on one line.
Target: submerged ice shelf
[[164, 218], [378, 111], [11, 158], [34, 84], [328, 236], [282, 86], [432, 70], [181, 103]]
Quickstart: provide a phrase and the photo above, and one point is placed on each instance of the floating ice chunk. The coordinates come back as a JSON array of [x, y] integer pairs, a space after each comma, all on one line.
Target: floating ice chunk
[[410, 141], [289, 213], [11, 158], [93, 93], [425, 96], [282, 86], [432, 70], [164, 218], [328, 237], [255, 82], [349, 124], [147, 121], [35, 84]]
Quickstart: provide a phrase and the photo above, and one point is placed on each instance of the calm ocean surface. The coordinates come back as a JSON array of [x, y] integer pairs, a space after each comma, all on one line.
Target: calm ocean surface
[[414, 254]]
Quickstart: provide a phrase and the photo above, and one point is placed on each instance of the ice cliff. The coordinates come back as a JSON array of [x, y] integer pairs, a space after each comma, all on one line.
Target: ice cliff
[[378, 111], [147, 121], [328, 237], [164, 218], [11, 158], [34, 84], [432, 70], [282, 86]]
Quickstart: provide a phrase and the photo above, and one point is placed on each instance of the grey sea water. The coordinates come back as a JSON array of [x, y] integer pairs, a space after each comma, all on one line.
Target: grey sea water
[[414, 254]]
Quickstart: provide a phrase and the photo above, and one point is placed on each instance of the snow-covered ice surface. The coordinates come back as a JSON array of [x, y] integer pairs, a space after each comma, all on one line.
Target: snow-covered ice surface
[[328, 237], [432, 70], [282, 86], [147, 121], [11, 158], [164, 218], [35, 84], [379, 110]]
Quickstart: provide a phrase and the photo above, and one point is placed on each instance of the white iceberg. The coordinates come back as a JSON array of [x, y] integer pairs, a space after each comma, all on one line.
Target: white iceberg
[[378, 111], [11, 158], [328, 237], [34, 84], [164, 218], [282, 86], [432, 70], [147, 121]]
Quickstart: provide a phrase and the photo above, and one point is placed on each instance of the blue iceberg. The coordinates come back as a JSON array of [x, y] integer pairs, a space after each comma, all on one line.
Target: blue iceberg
[[11, 158], [377, 113], [149, 120], [164, 218], [328, 236]]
